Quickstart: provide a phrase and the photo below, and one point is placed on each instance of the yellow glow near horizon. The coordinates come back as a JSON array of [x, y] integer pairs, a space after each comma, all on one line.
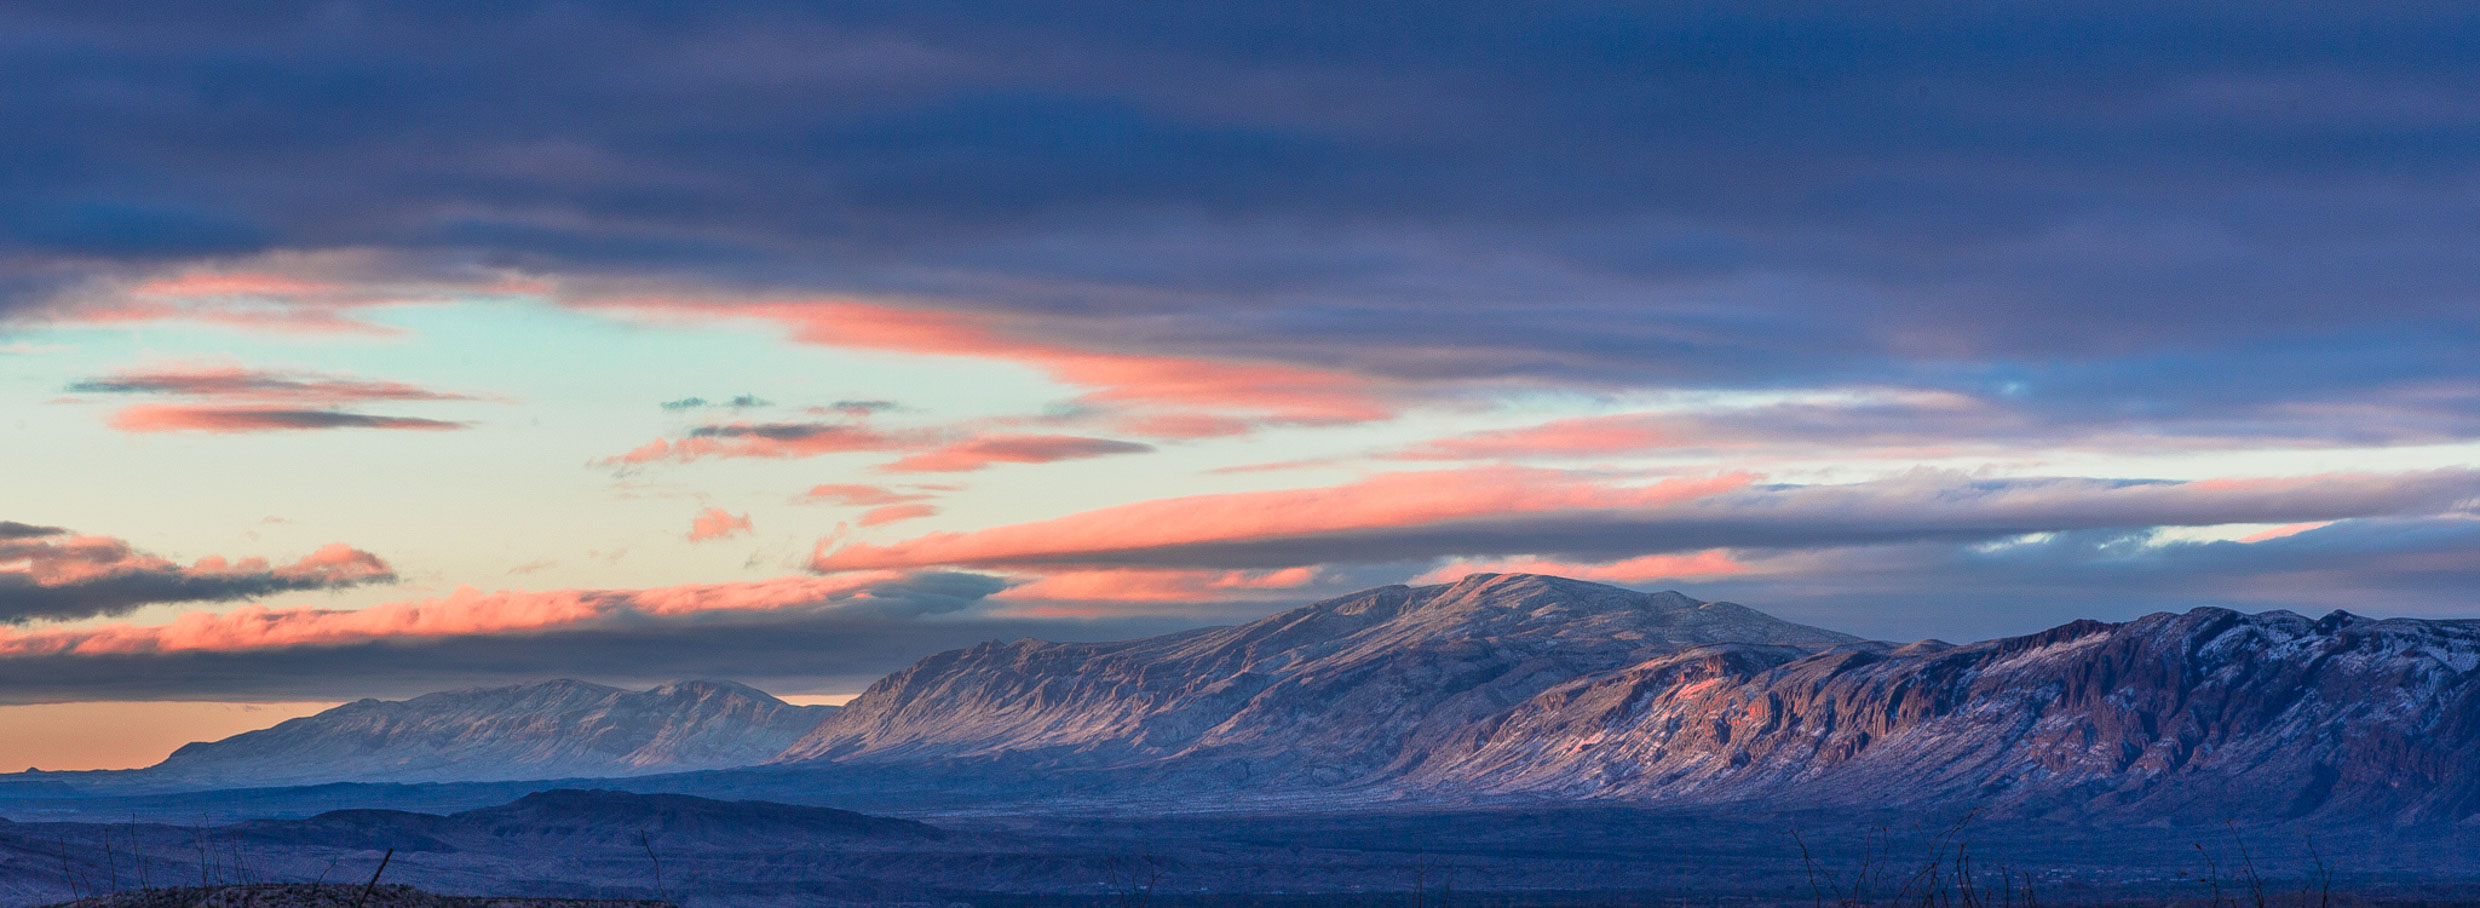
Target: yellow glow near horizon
[[126, 735], [813, 700]]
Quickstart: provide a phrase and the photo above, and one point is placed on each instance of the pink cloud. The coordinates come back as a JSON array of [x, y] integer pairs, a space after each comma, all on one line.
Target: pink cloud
[[463, 612], [894, 513], [178, 418], [1591, 435], [1163, 392], [211, 284], [2287, 530], [717, 523], [977, 453], [1164, 585], [1387, 501], [1704, 565], [860, 495]]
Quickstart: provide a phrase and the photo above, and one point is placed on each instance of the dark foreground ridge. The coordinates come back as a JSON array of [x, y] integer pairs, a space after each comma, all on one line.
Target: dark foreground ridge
[[330, 895]]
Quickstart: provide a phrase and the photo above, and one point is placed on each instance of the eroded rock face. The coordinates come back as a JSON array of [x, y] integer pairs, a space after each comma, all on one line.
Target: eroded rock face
[[2208, 714], [555, 729], [1340, 691]]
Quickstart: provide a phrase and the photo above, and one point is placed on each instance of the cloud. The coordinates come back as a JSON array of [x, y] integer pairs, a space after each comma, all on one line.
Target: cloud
[[177, 418], [737, 402], [975, 454], [1158, 532], [1074, 592], [251, 384], [894, 513], [853, 495], [717, 523], [1968, 180], [1507, 511], [253, 400], [463, 612], [769, 440], [1170, 396], [48, 574], [1210, 222], [2419, 566], [856, 409], [1705, 565], [322, 291], [795, 633], [947, 449], [1908, 423], [821, 650]]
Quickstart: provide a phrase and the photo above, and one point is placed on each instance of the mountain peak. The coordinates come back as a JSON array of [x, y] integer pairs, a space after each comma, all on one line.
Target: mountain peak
[[1368, 673]]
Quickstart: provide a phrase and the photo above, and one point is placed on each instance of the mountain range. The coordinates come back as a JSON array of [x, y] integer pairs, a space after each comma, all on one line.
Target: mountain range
[[552, 730], [1515, 688]]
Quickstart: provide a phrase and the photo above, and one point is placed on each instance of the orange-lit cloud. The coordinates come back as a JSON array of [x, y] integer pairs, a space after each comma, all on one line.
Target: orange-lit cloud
[[1387, 501], [894, 513], [717, 523], [1163, 585], [853, 495], [465, 611], [2285, 530], [1596, 518], [1159, 395], [1704, 565], [178, 418]]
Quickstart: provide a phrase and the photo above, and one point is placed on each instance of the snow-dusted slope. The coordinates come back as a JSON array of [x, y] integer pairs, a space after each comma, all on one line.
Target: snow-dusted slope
[[2211, 714], [556, 729], [1516, 686], [1331, 692]]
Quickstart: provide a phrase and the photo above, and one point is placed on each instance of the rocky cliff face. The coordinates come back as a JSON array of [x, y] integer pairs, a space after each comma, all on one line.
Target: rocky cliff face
[[1330, 693], [556, 729], [2210, 714]]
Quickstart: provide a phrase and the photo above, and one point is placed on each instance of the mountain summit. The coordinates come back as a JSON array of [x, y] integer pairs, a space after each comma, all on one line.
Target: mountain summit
[[555, 729], [1336, 691]]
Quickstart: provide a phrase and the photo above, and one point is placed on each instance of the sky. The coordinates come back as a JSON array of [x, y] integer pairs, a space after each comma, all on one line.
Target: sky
[[355, 350]]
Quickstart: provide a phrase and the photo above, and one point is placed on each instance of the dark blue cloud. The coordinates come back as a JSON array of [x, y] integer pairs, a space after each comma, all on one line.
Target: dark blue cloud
[[2383, 567], [1751, 194]]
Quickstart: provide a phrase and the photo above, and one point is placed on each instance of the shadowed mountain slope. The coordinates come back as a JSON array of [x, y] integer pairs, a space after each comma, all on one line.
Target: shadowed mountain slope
[[556, 729]]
